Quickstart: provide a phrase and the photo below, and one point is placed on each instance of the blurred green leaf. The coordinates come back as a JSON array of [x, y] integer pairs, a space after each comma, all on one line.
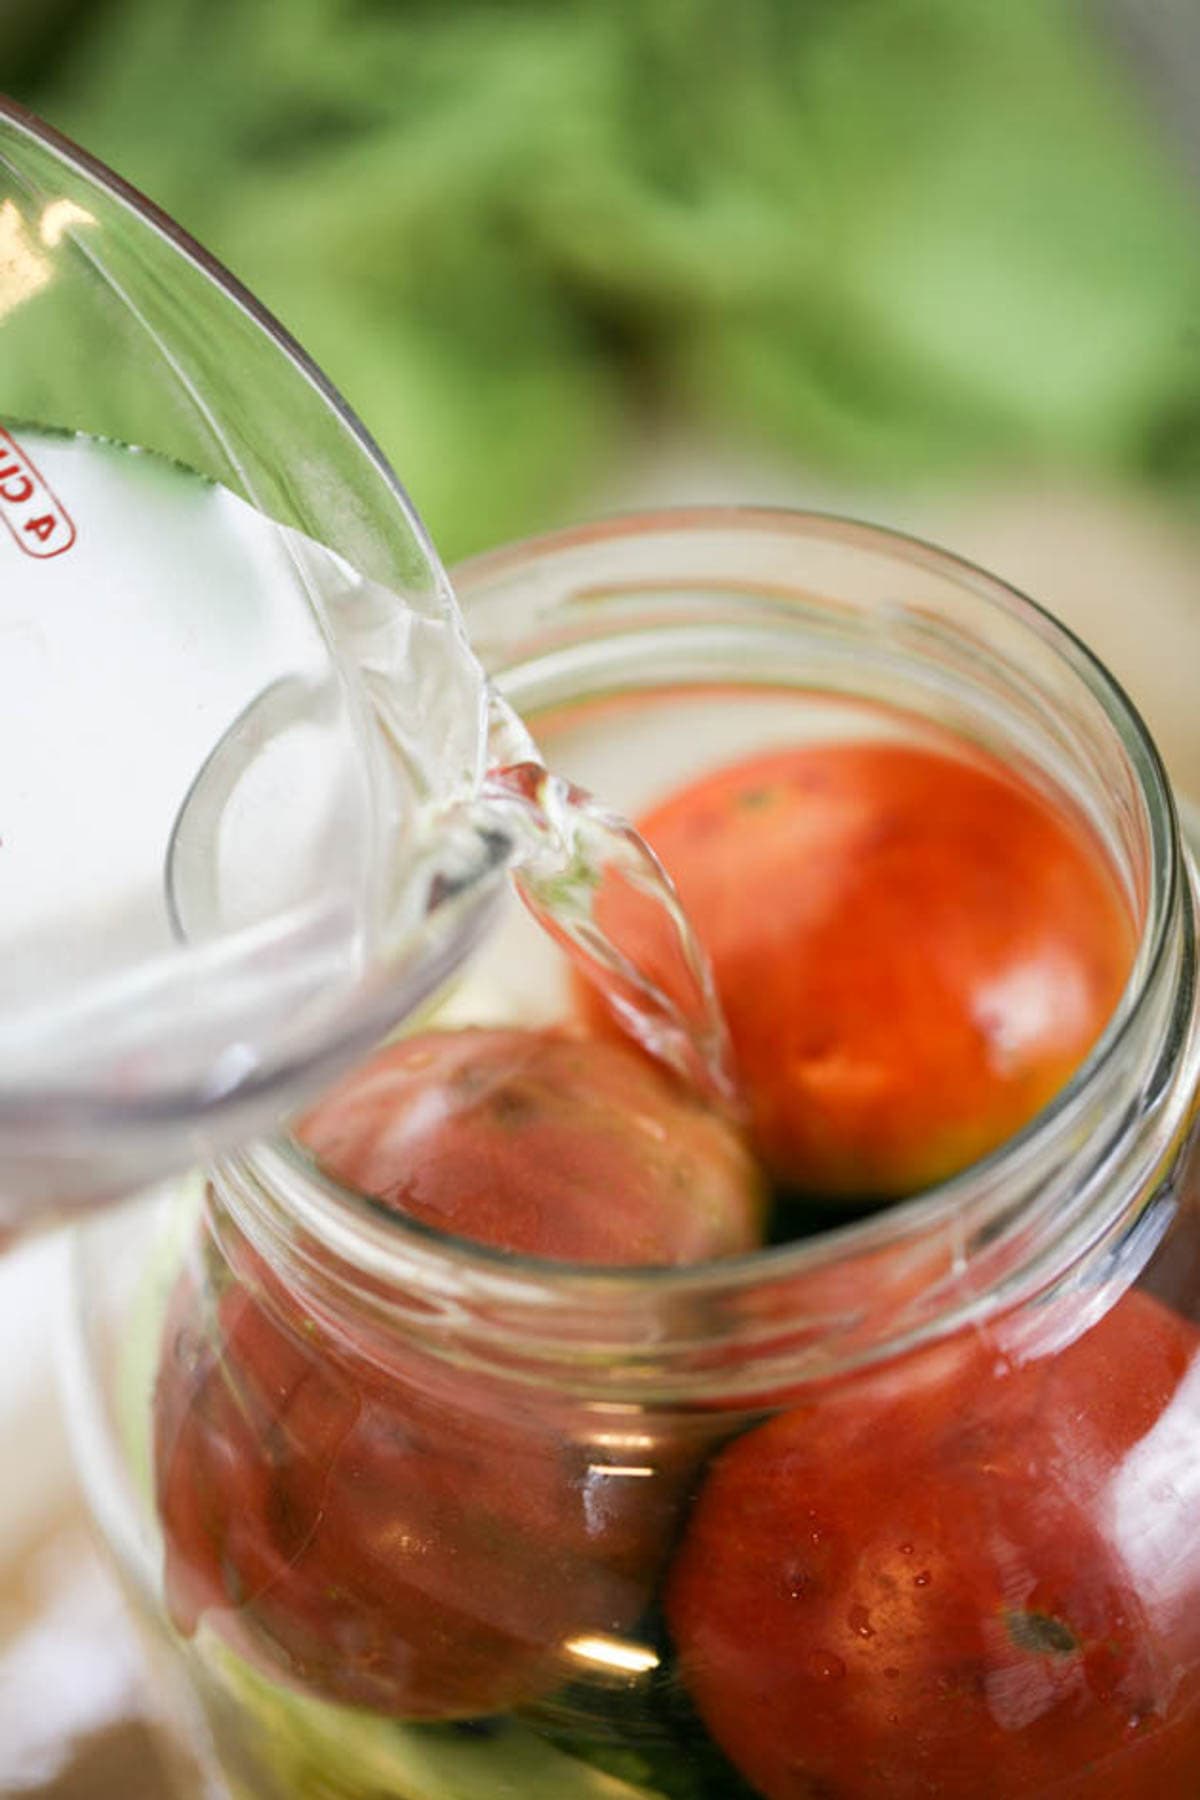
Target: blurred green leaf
[[898, 237]]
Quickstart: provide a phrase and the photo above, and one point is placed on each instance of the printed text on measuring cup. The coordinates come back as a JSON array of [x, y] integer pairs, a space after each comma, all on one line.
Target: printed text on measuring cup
[[38, 521]]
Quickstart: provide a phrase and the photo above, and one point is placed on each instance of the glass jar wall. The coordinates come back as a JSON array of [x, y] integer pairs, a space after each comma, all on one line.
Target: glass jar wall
[[907, 1506]]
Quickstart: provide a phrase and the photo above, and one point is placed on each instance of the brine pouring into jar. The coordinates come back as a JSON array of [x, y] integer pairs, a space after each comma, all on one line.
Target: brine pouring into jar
[[271, 829], [424, 1565], [895, 950], [247, 793]]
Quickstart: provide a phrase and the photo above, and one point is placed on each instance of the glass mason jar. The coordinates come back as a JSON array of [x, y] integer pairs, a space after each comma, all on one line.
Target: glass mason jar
[[908, 1507]]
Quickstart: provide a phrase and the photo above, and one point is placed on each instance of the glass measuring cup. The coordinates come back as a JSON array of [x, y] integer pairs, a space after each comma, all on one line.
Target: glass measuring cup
[[224, 709]]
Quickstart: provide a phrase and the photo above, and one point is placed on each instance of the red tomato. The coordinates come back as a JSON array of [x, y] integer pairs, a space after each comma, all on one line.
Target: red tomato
[[375, 1525], [979, 1585], [376, 1538], [913, 951], [562, 1147]]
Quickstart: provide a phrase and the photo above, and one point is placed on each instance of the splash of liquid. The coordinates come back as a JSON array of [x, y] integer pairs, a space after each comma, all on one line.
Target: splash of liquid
[[571, 854]]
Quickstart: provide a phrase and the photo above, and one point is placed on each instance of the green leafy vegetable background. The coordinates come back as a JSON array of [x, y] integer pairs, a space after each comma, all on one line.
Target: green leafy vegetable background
[[897, 239]]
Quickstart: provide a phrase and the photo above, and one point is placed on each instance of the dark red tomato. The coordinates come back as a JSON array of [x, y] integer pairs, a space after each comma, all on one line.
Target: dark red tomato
[[562, 1147], [386, 1539], [980, 1585], [375, 1525], [913, 950]]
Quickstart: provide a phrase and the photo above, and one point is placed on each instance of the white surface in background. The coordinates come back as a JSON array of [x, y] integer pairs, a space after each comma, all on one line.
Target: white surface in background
[[66, 1674], [34, 1456]]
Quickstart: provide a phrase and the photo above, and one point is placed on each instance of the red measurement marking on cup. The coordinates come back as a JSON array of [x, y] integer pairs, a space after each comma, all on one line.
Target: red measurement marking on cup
[[38, 520]]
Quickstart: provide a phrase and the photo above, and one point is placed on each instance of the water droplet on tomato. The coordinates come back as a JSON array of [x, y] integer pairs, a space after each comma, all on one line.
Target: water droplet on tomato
[[923, 1579], [906, 1549], [859, 1620], [796, 1581], [826, 1665]]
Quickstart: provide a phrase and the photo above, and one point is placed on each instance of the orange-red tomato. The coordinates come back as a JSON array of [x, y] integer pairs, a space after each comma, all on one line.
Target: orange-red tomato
[[913, 950], [373, 1524], [979, 1586]]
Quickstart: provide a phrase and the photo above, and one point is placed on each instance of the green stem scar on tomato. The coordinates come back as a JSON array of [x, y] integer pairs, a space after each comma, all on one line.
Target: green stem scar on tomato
[[366, 1520], [974, 1584], [913, 950]]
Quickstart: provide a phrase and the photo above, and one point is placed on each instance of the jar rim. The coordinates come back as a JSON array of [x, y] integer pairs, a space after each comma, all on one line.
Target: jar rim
[[372, 1237]]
